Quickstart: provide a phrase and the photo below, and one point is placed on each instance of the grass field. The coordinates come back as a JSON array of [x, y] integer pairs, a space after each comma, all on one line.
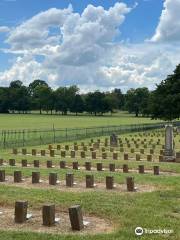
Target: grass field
[[158, 209], [36, 121]]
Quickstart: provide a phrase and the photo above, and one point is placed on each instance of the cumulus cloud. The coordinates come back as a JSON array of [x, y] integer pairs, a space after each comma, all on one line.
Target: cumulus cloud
[[4, 29], [169, 23], [81, 49]]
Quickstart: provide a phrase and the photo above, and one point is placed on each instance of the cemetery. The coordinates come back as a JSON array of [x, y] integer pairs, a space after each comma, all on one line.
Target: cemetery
[[123, 166]]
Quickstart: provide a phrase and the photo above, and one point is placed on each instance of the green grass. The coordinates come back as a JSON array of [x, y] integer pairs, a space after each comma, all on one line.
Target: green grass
[[35, 121], [152, 210]]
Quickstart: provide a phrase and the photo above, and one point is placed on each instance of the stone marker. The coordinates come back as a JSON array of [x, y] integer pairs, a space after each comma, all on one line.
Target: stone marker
[[161, 158], [149, 158], [109, 182], [67, 147], [49, 163], [2, 175], [48, 215], [130, 184], [63, 154], [104, 155], [88, 166], [52, 178], [17, 176], [169, 154], [35, 177], [89, 181], [126, 157], [93, 155], [43, 152], [141, 169], [36, 163], [115, 156], [113, 140], [75, 165], [125, 168], [83, 155], [62, 164], [76, 218], [50, 147], [138, 157], [24, 162], [1, 162], [34, 152], [52, 152], [142, 151], [99, 166], [12, 162], [69, 179], [73, 154], [112, 167], [20, 211], [156, 170], [58, 147], [15, 151], [24, 151]]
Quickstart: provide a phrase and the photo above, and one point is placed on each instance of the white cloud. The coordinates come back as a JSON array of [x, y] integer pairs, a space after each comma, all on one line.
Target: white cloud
[[169, 23], [82, 51], [4, 29]]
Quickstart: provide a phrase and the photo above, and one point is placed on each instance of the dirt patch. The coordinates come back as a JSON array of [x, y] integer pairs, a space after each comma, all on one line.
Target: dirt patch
[[78, 186], [34, 224]]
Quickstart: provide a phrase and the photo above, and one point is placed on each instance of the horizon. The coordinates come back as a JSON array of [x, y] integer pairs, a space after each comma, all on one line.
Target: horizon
[[96, 45]]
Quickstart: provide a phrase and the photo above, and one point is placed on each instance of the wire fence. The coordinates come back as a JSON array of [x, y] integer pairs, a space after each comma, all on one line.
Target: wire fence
[[33, 137]]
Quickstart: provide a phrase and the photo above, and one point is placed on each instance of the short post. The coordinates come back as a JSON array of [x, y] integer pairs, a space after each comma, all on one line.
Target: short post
[[12, 162], [130, 184], [99, 166], [52, 178], [76, 218], [125, 168], [20, 211], [36, 163], [43, 152], [141, 169], [156, 170], [112, 167], [109, 182], [24, 162], [88, 166], [17, 176], [62, 164], [34, 152], [2, 175], [89, 181], [69, 179], [75, 165], [49, 163], [125, 156], [48, 215], [35, 177]]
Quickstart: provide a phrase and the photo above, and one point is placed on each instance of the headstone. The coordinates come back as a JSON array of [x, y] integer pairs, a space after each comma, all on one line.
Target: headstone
[[12, 162], [69, 179], [73, 154], [52, 152], [24, 151], [17, 176], [113, 140], [21, 211], [36, 163], [35, 177], [15, 151], [48, 215], [112, 167], [75, 165], [88, 166], [104, 155], [169, 154], [99, 167], [141, 169], [126, 156], [24, 162], [76, 218], [34, 152], [109, 182], [156, 170], [93, 155], [125, 168], [52, 178], [62, 164], [2, 175], [130, 184], [83, 155], [89, 181], [149, 158], [49, 163], [43, 152], [115, 155], [1, 162]]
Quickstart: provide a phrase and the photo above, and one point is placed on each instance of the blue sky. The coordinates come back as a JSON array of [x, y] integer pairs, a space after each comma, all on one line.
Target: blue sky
[[132, 41]]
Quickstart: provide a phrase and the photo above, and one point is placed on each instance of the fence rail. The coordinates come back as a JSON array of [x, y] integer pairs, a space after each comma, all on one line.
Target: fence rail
[[32, 137]]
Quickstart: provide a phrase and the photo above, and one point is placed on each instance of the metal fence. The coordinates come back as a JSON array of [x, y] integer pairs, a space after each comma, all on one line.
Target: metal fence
[[29, 137]]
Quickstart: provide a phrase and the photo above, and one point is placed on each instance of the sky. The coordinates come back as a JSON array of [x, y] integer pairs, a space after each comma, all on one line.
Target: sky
[[102, 44]]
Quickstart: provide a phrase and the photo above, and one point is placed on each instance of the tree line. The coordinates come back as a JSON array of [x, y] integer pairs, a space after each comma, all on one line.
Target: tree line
[[163, 102]]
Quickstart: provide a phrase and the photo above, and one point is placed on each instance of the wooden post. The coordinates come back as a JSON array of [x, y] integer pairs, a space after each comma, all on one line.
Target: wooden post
[[17, 176], [109, 182], [12, 162], [24, 162], [52, 178], [69, 179], [62, 164], [130, 184], [2, 175], [88, 166], [36, 163], [89, 181], [125, 168]]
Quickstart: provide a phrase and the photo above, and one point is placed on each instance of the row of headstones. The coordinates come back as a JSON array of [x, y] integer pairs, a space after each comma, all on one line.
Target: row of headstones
[[48, 215], [53, 179], [75, 165], [94, 155]]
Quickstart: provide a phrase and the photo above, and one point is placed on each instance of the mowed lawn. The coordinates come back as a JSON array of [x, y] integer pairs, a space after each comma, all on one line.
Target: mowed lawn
[[159, 209], [36, 121]]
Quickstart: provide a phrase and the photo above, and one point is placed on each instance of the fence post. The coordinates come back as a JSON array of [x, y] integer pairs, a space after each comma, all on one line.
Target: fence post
[[54, 134], [23, 138]]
